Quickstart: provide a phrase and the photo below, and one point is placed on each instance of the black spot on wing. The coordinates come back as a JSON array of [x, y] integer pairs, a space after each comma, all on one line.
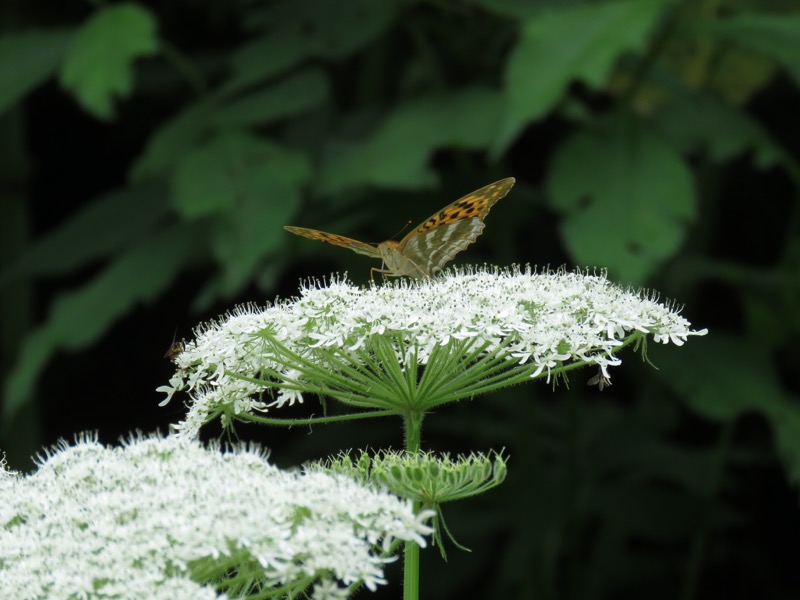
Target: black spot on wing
[[474, 204]]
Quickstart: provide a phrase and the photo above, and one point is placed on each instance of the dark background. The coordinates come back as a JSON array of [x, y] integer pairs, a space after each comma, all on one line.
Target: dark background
[[152, 152]]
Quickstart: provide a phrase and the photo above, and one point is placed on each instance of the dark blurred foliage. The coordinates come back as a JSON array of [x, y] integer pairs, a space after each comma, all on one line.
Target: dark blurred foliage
[[152, 152]]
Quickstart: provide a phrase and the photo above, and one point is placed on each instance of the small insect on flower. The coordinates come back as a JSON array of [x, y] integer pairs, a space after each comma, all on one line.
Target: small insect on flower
[[434, 243], [601, 380], [175, 348]]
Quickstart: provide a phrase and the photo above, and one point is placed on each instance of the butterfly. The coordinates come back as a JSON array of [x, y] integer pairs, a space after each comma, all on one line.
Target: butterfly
[[431, 245]]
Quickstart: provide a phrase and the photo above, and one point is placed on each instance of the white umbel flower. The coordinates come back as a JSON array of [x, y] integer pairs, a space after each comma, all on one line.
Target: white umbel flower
[[167, 518], [542, 323]]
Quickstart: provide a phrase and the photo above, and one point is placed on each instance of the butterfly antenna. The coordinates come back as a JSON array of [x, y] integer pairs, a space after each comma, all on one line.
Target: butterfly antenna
[[402, 229]]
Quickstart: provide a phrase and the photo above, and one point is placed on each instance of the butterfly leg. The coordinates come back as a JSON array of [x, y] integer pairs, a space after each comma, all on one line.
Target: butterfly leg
[[417, 272], [384, 272]]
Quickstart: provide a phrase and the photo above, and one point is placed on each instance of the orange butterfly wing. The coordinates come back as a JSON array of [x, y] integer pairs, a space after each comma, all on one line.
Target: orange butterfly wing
[[336, 240], [443, 235], [474, 205], [434, 242]]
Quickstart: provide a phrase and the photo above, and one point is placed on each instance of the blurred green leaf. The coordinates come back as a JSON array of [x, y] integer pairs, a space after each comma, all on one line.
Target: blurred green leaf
[[103, 227], [27, 60], [251, 187], [98, 64], [268, 56], [614, 476], [283, 99], [608, 435], [785, 420], [78, 318], [294, 95], [232, 170], [774, 36], [396, 154], [737, 75], [695, 122], [626, 195], [513, 9], [721, 377], [173, 140], [314, 28], [573, 43], [253, 231], [770, 302]]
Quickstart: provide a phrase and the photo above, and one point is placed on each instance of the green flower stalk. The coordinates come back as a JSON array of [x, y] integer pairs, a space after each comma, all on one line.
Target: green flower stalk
[[168, 518], [407, 347]]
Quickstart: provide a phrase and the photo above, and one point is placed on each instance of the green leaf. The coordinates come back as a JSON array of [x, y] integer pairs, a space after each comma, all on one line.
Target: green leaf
[[309, 29], [232, 170], [511, 9], [573, 43], [80, 317], [695, 122], [246, 237], [27, 60], [99, 230], [721, 377], [626, 195], [268, 56], [397, 152], [286, 98], [98, 65], [254, 230], [340, 29], [769, 301], [785, 421], [173, 140], [774, 36], [252, 187], [292, 96]]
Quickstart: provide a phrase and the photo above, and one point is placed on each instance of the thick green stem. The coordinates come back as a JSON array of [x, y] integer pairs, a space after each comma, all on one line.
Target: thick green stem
[[413, 427], [411, 571]]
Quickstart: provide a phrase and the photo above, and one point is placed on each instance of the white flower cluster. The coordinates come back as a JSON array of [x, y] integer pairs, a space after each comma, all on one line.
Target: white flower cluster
[[129, 522], [546, 319]]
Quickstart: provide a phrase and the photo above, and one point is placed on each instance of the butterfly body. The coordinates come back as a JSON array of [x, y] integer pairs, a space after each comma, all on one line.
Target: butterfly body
[[432, 244]]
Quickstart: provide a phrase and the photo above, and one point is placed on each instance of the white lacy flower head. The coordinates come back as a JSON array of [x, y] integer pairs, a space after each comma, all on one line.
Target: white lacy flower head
[[167, 518], [540, 321]]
